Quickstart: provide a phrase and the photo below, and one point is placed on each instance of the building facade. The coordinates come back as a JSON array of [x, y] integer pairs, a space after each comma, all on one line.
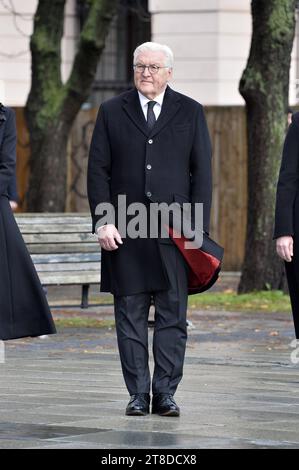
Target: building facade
[[210, 40]]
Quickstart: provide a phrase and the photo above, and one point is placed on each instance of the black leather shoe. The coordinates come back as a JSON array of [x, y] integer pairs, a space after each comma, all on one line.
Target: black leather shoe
[[138, 405], [164, 405]]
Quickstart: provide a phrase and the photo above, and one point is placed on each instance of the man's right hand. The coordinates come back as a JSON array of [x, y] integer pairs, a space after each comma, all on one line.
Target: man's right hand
[[107, 235], [284, 247]]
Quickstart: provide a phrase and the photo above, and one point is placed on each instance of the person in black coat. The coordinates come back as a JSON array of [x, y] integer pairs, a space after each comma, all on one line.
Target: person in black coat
[[286, 229], [23, 307], [150, 145], [12, 192]]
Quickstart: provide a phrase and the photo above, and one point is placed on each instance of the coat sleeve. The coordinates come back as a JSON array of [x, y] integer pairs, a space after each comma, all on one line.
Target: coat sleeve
[[201, 168], [99, 167], [8, 152], [287, 185], [12, 189]]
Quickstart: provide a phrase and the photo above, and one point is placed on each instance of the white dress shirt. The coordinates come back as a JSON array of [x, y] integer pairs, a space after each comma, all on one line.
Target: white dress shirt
[[158, 106]]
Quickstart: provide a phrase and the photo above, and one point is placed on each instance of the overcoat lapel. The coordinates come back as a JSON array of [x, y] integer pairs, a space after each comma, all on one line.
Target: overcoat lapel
[[2, 121], [170, 106], [133, 109]]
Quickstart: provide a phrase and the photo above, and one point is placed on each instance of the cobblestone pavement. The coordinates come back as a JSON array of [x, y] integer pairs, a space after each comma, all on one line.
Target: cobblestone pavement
[[240, 388]]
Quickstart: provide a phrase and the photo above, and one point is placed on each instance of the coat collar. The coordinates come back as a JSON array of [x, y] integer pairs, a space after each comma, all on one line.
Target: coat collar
[[170, 106], [2, 113]]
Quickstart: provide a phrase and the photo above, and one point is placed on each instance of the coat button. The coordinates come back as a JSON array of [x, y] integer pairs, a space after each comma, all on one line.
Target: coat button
[[148, 194], [150, 141], [149, 167]]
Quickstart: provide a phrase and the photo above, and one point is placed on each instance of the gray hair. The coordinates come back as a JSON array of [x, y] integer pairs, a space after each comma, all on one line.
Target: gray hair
[[155, 47]]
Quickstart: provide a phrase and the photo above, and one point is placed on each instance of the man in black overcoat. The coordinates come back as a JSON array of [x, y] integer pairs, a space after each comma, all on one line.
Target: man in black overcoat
[[151, 145], [286, 230]]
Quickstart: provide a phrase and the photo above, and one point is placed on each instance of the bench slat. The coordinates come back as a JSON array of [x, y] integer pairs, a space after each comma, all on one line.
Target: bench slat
[[52, 216], [48, 215], [66, 267], [70, 278], [59, 238], [63, 248], [66, 258], [53, 220], [55, 228]]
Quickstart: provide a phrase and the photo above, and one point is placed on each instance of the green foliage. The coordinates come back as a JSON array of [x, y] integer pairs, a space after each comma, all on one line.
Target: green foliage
[[82, 322], [265, 301]]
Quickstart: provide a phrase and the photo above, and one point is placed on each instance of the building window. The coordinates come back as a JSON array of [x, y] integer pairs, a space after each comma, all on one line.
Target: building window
[[130, 27]]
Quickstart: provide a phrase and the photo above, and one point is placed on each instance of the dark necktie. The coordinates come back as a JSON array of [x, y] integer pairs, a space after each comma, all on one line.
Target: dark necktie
[[151, 118]]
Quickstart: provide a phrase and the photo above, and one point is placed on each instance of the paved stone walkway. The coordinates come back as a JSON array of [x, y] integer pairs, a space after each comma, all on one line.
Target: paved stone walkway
[[240, 389]]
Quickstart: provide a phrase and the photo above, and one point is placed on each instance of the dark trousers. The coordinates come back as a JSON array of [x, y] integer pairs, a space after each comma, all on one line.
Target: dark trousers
[[170, 330]]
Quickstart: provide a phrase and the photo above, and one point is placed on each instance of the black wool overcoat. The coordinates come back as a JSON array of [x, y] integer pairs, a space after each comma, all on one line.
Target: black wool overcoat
[[23, 307], [287, 200], [287, 210], [170, 163]]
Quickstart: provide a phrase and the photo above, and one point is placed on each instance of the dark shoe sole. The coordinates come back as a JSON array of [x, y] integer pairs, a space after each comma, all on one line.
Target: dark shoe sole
[[174, 413], [137, 413]]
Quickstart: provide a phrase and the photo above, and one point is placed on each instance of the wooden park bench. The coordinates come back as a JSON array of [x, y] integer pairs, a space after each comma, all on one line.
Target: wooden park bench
[[63, 249]]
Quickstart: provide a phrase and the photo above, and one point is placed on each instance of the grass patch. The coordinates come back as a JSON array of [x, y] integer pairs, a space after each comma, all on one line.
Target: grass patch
[[101, 299], [82, 322], [266, 301], [263, 301]]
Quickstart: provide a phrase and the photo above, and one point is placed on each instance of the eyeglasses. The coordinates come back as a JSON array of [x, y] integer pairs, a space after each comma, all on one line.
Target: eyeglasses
[[151, 68]]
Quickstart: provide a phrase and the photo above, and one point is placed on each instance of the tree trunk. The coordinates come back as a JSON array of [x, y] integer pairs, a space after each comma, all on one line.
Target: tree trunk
[[52, 106], [264, 86]]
